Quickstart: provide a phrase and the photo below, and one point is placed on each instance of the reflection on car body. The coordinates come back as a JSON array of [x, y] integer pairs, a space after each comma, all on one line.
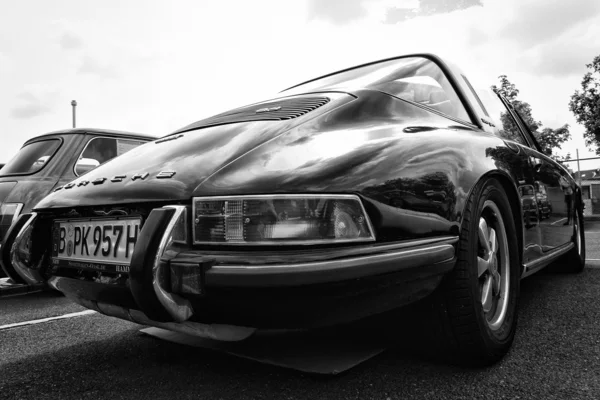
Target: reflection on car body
[[544, 205], [344, 197], [529, 204]]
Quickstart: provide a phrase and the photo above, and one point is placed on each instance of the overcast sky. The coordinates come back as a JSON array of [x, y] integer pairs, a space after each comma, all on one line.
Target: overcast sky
[[155, 66]]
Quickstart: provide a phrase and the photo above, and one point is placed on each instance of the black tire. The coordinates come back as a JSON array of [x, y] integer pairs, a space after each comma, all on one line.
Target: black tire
[[460, 325], [574, 260]]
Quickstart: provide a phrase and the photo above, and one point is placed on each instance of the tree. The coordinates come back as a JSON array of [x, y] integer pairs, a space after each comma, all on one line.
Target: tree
[[549, 139], [586, 104]]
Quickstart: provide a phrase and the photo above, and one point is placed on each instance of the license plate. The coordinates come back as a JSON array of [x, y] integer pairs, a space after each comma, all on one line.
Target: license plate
[[96, 244]]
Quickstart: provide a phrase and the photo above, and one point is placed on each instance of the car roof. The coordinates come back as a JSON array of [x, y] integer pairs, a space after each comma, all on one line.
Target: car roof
[[96, 131]]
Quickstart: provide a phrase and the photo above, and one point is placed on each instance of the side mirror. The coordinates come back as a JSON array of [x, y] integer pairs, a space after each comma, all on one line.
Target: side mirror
[[85, 165]]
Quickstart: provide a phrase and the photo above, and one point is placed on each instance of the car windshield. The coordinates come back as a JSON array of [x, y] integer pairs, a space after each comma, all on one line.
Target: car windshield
[[31, 158], [415, 79]]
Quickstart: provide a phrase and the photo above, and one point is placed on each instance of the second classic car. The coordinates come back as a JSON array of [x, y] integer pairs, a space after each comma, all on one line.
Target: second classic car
[[343, 197], [51, 160]]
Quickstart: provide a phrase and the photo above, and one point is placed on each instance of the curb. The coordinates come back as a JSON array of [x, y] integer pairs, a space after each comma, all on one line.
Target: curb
[[12, 289]]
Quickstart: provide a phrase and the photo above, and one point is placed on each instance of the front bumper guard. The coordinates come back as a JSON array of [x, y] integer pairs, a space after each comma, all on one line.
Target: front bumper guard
[[20, 252]]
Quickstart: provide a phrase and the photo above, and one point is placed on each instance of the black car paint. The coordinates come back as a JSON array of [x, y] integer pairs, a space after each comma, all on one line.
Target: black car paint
[[391, 152]]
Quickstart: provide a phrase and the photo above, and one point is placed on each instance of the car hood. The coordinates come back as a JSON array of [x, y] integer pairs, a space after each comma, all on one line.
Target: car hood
[[5, 188], [314, 151], [27, 190]]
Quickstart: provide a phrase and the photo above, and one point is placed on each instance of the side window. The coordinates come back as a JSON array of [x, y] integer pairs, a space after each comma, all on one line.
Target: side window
[[501, 122], [102, 149]]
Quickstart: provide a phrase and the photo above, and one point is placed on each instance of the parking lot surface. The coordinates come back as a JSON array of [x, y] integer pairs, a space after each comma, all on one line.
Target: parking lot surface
[[556, 355]]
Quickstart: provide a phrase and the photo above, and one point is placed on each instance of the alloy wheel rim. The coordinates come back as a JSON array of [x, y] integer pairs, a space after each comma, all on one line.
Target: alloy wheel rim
[[493, 265]]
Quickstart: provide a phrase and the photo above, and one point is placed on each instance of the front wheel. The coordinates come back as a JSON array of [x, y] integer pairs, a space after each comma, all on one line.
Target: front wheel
[[476, 304]]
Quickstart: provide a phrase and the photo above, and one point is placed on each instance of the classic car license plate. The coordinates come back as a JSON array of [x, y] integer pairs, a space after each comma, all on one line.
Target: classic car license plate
[[97, 244]]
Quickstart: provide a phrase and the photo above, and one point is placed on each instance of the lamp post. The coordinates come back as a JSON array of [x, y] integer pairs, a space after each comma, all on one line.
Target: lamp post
[[74, 104]]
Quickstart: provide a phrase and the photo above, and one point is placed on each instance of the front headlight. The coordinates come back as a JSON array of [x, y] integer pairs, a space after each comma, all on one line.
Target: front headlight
[[280, 219]]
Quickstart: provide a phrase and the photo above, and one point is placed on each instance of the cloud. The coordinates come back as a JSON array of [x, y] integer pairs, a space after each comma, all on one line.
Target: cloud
[[337, 11], [427, 7], [70, 41], [31, 107], [541, 22], [394, 15], [27, 96], [562, 60], [94, 67], [568, 54]]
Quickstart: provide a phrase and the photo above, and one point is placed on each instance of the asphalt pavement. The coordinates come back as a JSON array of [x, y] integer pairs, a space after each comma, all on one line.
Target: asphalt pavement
[[556, 355]]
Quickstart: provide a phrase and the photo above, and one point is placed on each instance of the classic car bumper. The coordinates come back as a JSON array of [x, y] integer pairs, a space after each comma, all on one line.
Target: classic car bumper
[[276, 289]]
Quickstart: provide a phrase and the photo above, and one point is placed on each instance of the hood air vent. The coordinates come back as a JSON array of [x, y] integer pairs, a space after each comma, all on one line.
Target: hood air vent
[[277, 110]]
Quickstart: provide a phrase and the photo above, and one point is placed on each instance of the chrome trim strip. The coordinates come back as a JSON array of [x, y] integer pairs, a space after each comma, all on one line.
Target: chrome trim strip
[[301, 196], [257, 257], [417, 242], [16, 215], [441, 253], [178, 307], [533, 266], [30, 275]]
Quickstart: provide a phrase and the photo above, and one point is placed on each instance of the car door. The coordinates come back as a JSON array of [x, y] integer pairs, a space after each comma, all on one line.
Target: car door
[[500, 121], [554, 193]]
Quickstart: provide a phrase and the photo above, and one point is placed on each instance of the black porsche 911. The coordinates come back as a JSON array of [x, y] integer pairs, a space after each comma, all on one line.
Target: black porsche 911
[[347, 196]]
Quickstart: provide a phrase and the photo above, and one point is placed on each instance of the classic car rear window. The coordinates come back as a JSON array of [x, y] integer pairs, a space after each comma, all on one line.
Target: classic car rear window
[[415, 79], [31, 158]]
